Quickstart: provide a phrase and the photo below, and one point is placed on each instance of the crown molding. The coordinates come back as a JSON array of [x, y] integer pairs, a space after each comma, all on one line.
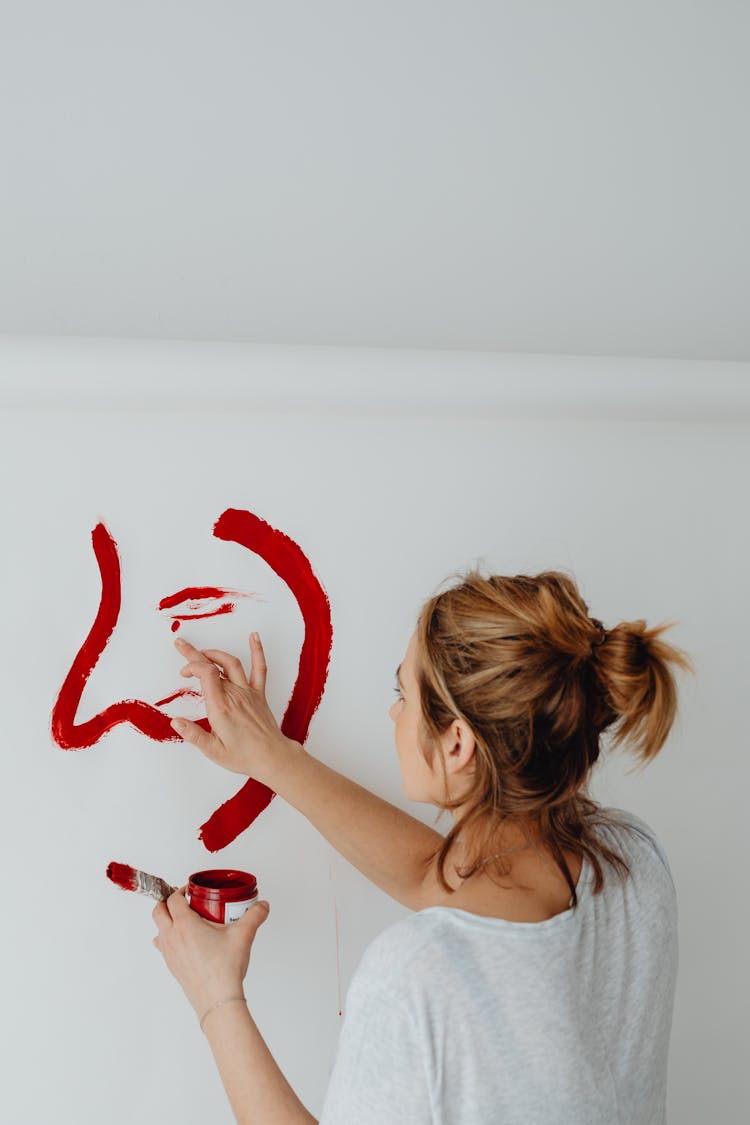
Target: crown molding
[[98, 373]]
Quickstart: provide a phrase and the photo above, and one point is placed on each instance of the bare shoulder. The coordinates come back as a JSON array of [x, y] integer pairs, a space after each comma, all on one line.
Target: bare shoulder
[[534, 891]]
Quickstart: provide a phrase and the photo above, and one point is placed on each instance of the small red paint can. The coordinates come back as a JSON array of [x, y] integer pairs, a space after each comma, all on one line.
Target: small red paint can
[[223, 894]]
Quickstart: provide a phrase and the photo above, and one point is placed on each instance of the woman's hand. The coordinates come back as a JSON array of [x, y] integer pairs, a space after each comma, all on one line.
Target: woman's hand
[[244, 735], [209, 959]]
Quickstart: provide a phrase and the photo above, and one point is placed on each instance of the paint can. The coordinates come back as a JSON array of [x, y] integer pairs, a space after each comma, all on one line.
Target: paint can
[[221, 895]]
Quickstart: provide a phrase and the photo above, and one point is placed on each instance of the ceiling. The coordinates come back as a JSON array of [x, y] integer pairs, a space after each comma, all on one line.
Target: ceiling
[[519, 177]]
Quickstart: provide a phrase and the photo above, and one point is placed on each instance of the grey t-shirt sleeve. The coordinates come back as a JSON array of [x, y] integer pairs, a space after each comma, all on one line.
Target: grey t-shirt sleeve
[[645, 830], [379, 1073]]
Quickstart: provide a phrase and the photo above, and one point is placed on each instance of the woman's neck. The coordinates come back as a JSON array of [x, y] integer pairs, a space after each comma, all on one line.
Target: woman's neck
[[512, 845]]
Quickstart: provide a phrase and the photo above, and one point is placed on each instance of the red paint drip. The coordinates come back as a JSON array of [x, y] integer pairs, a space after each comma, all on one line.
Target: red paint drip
[[123, 875], [338, 954], [287, 560]]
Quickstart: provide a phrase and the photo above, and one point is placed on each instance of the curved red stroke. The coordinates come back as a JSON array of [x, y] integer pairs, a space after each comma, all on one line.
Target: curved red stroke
[[288, 561], [286, 558]]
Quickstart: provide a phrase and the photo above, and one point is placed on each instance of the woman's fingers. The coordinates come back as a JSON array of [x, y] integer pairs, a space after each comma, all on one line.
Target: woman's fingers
[[258, 664], [210, 678], [195, 655], [206, 741], [244, 732], [230, 665], [161, 915]]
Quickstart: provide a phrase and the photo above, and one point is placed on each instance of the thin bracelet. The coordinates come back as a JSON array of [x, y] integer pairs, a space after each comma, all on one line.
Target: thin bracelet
[[218, 1005]]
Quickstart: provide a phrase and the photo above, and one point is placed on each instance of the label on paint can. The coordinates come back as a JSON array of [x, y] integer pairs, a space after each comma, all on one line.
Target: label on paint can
[[235, 910]]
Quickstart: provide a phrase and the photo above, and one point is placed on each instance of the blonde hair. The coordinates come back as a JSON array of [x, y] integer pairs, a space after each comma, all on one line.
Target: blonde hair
[[515, 658]]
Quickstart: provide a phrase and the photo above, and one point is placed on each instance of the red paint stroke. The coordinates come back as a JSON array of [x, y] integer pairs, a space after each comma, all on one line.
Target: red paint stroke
[[212, 613], [176, 695], [123, 875], [288, 561], [199, 594]]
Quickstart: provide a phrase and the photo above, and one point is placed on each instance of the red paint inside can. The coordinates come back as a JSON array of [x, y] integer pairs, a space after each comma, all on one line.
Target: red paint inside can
[[222, 894]]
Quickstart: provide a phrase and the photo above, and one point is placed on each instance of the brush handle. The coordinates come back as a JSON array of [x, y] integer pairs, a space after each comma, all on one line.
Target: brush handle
[[152, 885]]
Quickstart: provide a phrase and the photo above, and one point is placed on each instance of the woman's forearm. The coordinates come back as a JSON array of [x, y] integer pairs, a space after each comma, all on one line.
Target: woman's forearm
[[257, 1090], [386, 844]]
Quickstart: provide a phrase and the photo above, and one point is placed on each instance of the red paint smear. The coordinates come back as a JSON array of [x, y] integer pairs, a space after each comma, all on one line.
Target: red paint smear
[[199, 594], [177, 695], [212, 613], [123, 875], [284, 557]]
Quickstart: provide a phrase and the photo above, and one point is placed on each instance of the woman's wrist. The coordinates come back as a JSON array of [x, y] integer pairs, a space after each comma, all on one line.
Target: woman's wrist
[[214, 992], [236, 997], [282, 757]]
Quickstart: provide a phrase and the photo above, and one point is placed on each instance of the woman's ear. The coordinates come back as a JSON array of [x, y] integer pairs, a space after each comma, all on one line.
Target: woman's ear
[[459, 746]]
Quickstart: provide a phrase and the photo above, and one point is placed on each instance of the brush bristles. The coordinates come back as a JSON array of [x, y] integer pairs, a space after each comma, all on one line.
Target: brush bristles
[[131, 879], [153, 885]]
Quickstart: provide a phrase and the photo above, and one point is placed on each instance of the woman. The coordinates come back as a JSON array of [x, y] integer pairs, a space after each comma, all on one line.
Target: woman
[[535, 981]]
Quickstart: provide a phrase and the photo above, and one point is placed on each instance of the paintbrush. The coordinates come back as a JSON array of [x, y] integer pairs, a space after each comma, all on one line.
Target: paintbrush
[[131, 879]]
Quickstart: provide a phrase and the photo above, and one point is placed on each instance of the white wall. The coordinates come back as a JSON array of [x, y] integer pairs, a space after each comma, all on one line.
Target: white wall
[[390, 469]]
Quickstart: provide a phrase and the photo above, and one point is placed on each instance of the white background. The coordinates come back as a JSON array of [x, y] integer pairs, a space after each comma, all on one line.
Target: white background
[[633, 480], [497, 174]]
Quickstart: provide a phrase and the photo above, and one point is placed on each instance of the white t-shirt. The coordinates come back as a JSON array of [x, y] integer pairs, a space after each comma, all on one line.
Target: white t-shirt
[[453, 1018]]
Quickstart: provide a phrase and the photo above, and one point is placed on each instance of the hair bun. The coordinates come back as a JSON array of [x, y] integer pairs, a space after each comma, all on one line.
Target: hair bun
[[603, 634]]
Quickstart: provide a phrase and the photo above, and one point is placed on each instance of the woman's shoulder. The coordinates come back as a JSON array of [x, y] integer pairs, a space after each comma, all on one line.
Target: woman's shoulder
[[628, 827], [406, 938], [393, 957]]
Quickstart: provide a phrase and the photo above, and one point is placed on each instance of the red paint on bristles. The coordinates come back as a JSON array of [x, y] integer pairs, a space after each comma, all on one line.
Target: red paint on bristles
[[123, 875]]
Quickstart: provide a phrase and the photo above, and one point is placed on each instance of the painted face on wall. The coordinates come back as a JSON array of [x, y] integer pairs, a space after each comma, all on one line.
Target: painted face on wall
[[287, 560]]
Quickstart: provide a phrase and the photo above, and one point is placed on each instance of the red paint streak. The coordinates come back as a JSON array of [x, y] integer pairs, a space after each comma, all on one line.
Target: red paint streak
[[199, 594], [123, 875], [212, 613], [176, 695], [287, 560]]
